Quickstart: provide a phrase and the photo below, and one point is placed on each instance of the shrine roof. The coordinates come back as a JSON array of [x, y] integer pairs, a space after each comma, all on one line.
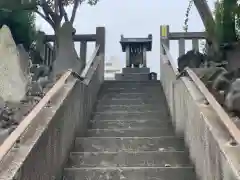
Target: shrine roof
[[147, 42]]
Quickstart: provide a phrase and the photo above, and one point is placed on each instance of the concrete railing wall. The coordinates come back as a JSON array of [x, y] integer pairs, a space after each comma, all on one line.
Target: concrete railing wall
[[49, 54], [47, 50], [83, 39], [39, 147], [212, 139]]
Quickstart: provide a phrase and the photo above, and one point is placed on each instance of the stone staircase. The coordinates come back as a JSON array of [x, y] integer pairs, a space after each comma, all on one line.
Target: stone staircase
[[133, 74], [130, 137]]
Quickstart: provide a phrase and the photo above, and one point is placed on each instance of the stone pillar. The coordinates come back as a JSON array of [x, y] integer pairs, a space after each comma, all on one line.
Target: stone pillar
[[83, 53], [100, 40], [181, 46], [144, 56], [128, 62], [49, 57], [195, 44], [164, 33]]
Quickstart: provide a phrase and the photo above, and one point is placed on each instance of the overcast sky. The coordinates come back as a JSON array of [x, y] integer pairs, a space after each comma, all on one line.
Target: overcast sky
[[133, 18]]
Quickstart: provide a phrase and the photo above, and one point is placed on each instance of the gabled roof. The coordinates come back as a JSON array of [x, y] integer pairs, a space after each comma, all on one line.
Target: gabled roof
[[147, 42]]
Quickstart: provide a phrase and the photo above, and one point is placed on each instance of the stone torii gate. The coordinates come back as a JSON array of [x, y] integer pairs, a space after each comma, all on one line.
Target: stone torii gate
[[136, 49]]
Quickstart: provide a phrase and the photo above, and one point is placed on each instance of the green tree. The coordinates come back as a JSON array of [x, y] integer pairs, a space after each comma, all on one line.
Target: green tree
[[218, 12], [52, 11], [229, 14], [21, 24], [225, 26]]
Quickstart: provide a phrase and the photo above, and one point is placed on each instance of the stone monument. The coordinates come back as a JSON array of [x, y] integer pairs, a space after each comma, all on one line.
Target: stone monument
[[13, 79], [25, 61]]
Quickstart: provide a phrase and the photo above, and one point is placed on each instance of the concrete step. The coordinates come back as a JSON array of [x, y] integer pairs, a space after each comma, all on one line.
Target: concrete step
[[136, 107], [130, 90], [129, 159], [129, 102], [132, 77], [114, 144], [153, 96], [117, 124], [115, 173], [153, 115], [135, 70], [110, 82], [116, 83], [130, 132], [130, 111], [130, 138], [141, 93], [131, 97], [131, 87]]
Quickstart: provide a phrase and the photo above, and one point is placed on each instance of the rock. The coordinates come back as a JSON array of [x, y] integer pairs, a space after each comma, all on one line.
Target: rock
[[4, 133], [192, 59], [34, 68], [232, 100], [2, 104], [35, 89], [44, 81], [208, 74], [25, 62], [39, 71], [22, 112], [13, 84]]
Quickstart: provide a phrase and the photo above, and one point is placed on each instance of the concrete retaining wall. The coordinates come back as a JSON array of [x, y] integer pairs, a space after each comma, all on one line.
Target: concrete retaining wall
[[43, 148], [205, 135]]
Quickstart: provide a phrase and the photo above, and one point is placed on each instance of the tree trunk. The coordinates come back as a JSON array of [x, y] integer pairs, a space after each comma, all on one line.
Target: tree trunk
[[56, 28], [208, 21]]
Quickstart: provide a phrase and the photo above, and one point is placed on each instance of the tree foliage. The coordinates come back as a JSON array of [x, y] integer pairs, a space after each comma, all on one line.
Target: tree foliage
[[227, 20], [53, 11], [185, 26], [226, 17], [218, 12], [21, 24]]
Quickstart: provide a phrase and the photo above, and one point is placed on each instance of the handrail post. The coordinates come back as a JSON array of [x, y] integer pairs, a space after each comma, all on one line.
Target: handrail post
[[83, 53], [181, 46], [195, 44], [164, 39], [164, 33], [100, 40]]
